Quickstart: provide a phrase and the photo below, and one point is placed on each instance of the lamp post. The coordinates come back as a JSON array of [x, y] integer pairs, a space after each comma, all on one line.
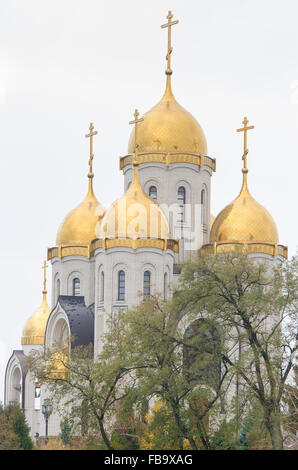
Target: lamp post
[[46, 411]]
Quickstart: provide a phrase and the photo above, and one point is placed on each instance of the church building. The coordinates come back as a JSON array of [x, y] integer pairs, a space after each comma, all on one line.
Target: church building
[[110, 259]]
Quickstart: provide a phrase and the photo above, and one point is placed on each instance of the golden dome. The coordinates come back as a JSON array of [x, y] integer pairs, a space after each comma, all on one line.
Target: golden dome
[[134, 215], [58, 364], [80, 226], [168, 127], [212, 219], [244, 220], [35, 327]]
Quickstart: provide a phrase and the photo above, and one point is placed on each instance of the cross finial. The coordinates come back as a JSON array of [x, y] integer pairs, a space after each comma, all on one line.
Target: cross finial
[[244, 129], [136, 121], [169, 25], [90, 135], [44, 267]]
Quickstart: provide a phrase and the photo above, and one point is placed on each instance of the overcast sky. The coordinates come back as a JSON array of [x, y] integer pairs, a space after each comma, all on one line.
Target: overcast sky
[[65, 63]]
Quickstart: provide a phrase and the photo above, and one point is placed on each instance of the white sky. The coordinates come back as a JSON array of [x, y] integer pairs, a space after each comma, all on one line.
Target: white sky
[[65, 63]]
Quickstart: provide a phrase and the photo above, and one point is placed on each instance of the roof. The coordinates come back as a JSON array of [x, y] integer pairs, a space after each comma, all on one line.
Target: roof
[[80, 317]]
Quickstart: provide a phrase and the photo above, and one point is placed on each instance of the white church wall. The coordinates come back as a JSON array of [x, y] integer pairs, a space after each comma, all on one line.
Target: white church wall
[[66, 270], [134, 263], [167, 180]]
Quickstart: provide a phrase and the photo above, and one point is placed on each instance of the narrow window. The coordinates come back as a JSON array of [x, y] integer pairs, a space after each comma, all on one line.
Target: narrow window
[[57, 289], [153, 192], [102, 286], [181, 202], [165, 287], [203, 208], [121, 285], [76, 286], [147, 284]]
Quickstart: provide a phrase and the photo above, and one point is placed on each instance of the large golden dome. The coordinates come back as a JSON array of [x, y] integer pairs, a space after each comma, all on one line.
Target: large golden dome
[[80, 226], [35, 327], [168, 127], [244, 220], [134, 215]]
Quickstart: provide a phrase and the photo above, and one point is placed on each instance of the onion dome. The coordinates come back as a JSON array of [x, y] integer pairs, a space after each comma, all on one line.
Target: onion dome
[[134, 215], [169, 133], [168, 127], [80, 226], [35, 327], [244, 220], [212, 218]]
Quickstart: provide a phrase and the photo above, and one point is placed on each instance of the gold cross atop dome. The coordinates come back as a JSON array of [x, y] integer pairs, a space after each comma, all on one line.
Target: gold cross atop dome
[[90, 135], [44, 267], [244, 129], [169, 25], [136, 121]]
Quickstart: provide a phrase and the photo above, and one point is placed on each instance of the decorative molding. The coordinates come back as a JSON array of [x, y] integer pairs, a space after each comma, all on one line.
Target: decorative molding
[[170, 157], [251, 247]]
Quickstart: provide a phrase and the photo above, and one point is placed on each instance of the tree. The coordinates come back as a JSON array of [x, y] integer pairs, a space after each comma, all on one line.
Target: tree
[[254, 306], [14, 431], [83, 390], [154, 347]]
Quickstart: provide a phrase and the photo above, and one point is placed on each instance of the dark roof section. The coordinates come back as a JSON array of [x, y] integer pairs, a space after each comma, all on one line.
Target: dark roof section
[[81, 319]]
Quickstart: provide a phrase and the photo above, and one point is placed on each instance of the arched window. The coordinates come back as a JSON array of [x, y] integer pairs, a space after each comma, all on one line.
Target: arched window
[[102, 286], [201, 353], [165, 286], [181, 202], [76, 287], [121, 285], [153, 192], [147, 284], [57, 289], [203, 209]]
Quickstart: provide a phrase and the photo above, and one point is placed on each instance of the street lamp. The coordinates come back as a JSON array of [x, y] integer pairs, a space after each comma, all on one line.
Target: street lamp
[[46, 411]]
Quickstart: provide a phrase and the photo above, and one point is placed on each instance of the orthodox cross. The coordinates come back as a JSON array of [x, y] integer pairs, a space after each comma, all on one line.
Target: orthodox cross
[[90, 135], [245, 129], [169, 25], [136, 122], [44, 267]]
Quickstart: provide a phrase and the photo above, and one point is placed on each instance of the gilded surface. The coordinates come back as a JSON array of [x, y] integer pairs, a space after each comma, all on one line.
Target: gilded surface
[[81, 224], [250, 247], [35, 327], [244, 219], [170, 157], [168, 127], [134, 215]]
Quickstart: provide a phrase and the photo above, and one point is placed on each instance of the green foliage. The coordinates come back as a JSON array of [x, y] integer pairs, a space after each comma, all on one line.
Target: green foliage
[[185, 353], [65, 434], [122, 441], [224, 437], [14, 431], [161, 431]]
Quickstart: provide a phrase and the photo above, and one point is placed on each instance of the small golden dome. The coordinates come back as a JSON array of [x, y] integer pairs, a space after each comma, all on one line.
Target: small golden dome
[[35, 327], [212, 219], [81, 225], [58, 364], [134, 215], [168, 127], [244, 220]]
